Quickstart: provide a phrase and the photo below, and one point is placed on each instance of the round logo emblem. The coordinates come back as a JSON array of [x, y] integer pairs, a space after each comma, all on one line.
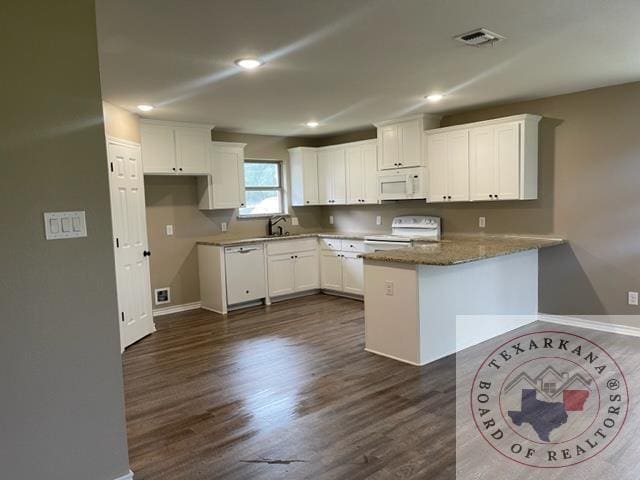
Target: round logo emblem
[[549, 399]]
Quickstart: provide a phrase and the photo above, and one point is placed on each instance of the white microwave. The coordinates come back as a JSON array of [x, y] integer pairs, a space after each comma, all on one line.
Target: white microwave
[[402, 184]]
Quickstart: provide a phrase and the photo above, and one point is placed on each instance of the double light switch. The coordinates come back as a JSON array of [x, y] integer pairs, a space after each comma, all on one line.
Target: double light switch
[[58, 225]]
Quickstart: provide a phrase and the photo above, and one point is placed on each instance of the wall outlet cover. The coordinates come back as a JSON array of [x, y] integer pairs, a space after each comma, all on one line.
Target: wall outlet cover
[[388, 288], [294, 221], [378, 220], [331, 219], [633, 298], [223, 226], [482, 222], [169, 229]]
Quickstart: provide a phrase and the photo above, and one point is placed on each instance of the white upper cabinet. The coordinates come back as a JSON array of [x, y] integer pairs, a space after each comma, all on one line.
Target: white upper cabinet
[[502, 159], [361, 161], [448, 162], [400, 141], [192, 150], [304, 176], [171, 148], [224, 188], [332, 176]]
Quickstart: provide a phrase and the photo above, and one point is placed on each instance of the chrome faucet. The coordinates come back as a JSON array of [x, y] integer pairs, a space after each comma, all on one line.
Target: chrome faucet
[[271, 223]]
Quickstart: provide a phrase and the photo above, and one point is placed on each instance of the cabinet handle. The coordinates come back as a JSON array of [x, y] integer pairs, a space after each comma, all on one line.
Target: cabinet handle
[[490, 195], [146, 253], [246, 291], [496, 196], [180, 168], [444, 197], [449, 197], [173, 168], [242, 204], [307, 201]]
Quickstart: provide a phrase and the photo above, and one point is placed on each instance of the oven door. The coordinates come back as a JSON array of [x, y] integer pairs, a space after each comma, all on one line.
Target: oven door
[[377, 245]]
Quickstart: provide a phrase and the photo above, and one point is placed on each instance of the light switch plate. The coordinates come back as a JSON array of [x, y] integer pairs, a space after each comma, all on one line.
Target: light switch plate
[[169, 229], [378, 220], [294, 221], [223, 226], [62, 225], [330, 219], [482, 222], [632, 298]]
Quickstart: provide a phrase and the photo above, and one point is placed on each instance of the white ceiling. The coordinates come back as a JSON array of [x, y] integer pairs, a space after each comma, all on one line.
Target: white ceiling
[[348, 63]]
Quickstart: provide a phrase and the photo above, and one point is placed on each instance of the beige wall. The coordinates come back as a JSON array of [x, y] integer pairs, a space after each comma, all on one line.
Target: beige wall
[[120, 123], [61, 378], [172, 200], [588, 192]]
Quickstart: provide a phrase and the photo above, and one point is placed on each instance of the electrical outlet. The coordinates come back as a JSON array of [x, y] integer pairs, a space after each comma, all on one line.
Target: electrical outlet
[[633, 298], [388, 287], [223, 226], [482, 222], [294, 221], [169, 229], [378, 220], [330, 219]]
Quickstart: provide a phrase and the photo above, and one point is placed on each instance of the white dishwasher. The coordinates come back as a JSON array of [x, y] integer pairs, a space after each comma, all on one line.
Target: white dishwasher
[[245, 273]]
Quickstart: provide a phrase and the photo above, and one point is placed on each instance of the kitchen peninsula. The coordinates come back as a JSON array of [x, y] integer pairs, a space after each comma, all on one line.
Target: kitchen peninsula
[[436, 298]]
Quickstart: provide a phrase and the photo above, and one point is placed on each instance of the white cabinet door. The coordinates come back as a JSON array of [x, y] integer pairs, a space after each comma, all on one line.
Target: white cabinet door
[[307, 274], [325, 178], [437, 164], [338, 176], [355, 175], [352, 274], [192, 150], [227, 171], [389, 147], [482, 164], [370, 167], [331, 270], [410, 143], [458, 166], [281, 274], [310, 177], [507, 158], [158, 149]]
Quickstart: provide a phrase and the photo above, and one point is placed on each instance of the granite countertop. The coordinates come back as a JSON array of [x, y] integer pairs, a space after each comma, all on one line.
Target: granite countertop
[[455, 250], [229, 240]]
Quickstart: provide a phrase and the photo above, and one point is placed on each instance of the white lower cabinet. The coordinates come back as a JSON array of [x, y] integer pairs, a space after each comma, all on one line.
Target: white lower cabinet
[[342, 270], [292, 267]]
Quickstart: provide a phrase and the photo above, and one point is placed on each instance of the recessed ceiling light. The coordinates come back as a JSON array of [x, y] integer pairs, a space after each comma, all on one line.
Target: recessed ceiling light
[[312, 124], [248, 63], [434, 97], [145, 108]]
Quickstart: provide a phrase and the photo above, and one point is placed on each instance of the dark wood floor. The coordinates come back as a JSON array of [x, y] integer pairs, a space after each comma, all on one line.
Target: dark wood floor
[[284, 392]]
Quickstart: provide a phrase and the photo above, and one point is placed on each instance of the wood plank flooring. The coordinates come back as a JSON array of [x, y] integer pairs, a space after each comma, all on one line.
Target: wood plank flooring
[[284, 392], [287, 392]]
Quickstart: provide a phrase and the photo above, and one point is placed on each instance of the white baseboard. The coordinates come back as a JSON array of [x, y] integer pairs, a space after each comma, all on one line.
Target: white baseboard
[[602, 323], [128, 476], [176, 309]]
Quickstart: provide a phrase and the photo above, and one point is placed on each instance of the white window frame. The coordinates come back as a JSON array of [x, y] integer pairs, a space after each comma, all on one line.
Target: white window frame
[[281, 180]]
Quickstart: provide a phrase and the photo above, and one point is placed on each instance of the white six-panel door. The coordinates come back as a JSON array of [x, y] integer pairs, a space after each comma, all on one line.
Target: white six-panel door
[[130, 242]]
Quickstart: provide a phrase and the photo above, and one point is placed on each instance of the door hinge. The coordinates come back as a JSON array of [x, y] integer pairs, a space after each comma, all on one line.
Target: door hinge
[[111, 164], [117, 243], [122, 315]]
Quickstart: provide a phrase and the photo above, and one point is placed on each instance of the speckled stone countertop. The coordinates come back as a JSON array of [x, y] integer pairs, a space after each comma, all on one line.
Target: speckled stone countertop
[[459, 249], [229, 240]]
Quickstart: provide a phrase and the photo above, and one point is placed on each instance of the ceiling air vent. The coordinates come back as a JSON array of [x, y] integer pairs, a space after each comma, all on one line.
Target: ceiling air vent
[[479, 37]]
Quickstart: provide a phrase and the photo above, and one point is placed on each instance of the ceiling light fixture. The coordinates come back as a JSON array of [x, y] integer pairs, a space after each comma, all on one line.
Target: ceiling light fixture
[[434, 97], [312, 124], [145, 108], [248, 63]]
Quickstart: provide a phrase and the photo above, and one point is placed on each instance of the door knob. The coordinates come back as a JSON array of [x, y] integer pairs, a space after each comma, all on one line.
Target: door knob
[[146, 253]]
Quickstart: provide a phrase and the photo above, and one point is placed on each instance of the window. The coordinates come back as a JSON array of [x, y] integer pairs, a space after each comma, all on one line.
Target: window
[[263, 188]]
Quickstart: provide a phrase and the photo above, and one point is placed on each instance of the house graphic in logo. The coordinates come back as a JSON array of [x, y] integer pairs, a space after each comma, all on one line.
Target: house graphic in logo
[[540, 402]]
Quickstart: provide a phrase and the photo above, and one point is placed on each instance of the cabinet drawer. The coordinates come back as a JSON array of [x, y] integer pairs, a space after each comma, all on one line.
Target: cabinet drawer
[[330, 244], [353, 246], [287, 246]]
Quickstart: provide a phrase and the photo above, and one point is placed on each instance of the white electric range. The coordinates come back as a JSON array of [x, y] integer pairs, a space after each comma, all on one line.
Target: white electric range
[[404, 230]]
